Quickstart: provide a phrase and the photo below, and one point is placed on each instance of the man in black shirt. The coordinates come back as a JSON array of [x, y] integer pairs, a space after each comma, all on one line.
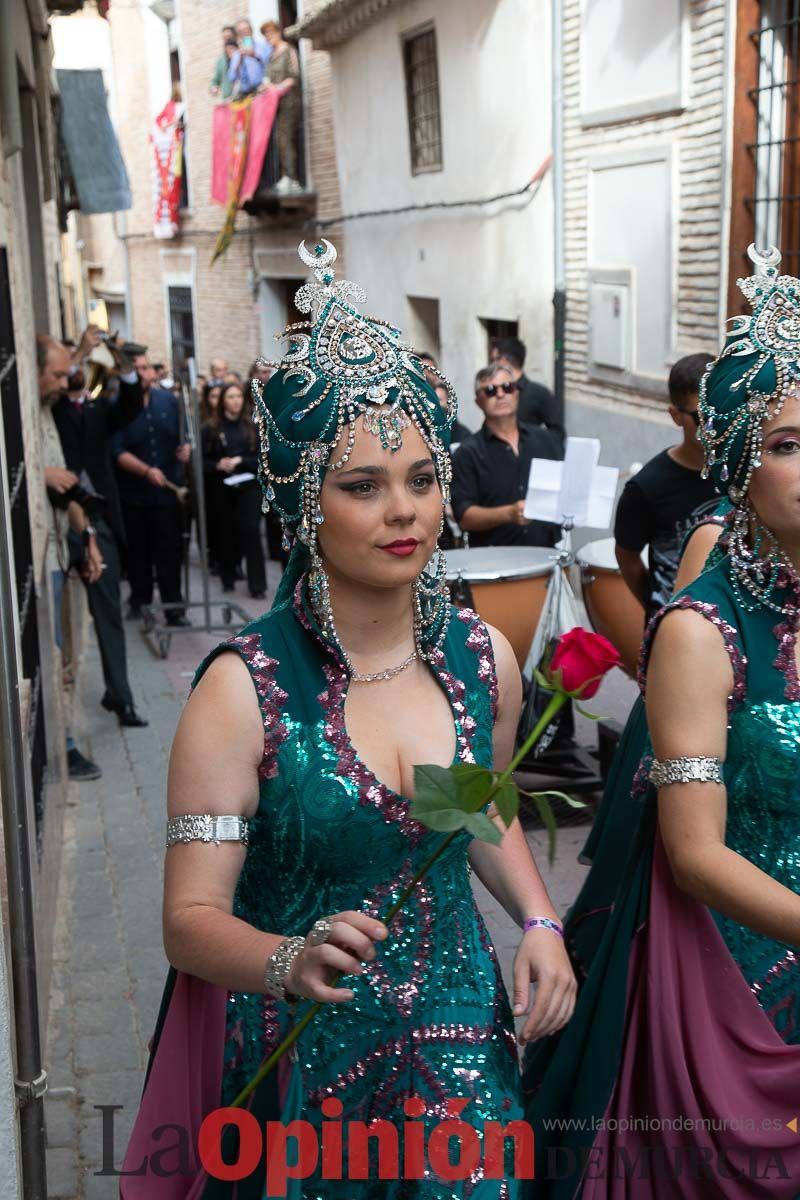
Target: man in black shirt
[[491, 469], [667, 498], [537, 404]]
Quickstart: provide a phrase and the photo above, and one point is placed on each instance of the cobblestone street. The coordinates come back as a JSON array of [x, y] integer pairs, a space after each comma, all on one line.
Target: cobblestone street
[[109, 963]]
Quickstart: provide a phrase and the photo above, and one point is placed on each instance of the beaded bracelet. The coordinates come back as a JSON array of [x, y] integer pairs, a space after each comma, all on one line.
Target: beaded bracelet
[[544, 923]]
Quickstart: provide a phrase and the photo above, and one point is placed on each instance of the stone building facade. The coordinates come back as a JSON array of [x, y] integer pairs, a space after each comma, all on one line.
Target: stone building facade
[[647, 122]]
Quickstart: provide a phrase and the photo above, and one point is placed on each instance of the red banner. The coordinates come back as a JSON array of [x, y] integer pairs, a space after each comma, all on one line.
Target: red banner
[[167, 142]]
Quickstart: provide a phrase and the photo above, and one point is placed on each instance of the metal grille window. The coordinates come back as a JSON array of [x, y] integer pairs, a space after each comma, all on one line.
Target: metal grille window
[[14, 468], [422, 93], [766, 168], [181, 328]]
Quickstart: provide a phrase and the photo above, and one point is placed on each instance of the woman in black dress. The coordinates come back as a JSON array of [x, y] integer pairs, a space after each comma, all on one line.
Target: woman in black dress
[[230, 450]]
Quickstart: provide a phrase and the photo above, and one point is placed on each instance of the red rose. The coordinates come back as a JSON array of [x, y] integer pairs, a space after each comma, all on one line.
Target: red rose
[[580, 661]]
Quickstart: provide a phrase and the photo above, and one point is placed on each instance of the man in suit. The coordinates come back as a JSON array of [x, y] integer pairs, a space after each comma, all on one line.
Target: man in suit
[[147, 453], [85, 427]]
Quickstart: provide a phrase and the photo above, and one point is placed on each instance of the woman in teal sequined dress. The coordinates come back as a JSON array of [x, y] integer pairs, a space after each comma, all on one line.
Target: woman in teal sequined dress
[[679, 1073], [308, 725]]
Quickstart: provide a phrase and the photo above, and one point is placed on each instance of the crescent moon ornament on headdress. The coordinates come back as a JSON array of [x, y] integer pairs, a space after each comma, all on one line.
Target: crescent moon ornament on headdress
[[340, 367]]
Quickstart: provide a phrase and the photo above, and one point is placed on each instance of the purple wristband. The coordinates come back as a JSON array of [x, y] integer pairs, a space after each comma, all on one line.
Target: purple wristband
[[544, 923]]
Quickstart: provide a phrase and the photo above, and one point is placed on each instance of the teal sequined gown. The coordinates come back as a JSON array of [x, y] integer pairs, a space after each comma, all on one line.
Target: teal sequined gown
[[682, 1010], [430, 1018]]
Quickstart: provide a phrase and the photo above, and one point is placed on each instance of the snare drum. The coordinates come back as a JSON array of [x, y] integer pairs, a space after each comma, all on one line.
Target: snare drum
[[507, 584], [612, 607]]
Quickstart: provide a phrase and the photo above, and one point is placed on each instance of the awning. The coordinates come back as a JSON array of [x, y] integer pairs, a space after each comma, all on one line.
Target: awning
[[95, 160]]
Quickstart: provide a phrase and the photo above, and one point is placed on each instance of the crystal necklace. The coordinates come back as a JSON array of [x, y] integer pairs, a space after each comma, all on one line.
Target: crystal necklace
[[389, 673], [320, 598]]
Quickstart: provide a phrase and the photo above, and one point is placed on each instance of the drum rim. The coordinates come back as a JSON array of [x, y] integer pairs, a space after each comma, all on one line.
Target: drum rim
[[501, 574]]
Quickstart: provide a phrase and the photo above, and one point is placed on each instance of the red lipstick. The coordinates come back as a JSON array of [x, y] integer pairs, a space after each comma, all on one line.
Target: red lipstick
[[402, 548]]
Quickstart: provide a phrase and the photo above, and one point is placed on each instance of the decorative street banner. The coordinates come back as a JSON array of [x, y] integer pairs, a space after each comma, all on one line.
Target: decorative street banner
[[167, 142], [241, 134]]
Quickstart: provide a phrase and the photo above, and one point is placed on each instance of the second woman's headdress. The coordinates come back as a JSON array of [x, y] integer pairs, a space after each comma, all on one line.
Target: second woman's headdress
[[746, 386]]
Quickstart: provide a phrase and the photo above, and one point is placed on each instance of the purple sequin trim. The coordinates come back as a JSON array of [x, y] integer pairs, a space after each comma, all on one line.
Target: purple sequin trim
[[790, 961], [478, 639], [370, 790], [271, 699], [402, 1052], [403, 994], [786, 660], [729, 636]]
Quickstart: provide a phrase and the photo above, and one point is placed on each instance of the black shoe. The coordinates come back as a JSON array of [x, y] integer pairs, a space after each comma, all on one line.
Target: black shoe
[[126, 713], [134, 613], [228, 587], [81, 768], [238, 573], [179, 622], [257, 595]]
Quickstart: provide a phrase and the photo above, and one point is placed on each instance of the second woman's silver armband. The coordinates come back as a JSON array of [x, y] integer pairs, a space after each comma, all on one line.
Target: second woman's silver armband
[[203, 827], [685, 770]]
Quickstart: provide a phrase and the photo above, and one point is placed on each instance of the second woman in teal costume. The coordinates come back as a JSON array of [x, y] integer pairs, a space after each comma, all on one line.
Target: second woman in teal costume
[[678, 1072], [297, 752]]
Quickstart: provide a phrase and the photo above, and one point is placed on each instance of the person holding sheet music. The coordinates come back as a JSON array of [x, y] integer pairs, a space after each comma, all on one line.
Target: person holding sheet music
[[231, 450], [491, 468]]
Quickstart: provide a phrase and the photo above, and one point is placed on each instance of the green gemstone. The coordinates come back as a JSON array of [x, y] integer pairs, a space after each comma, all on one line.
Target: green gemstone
[[319, 249], [327, 277]]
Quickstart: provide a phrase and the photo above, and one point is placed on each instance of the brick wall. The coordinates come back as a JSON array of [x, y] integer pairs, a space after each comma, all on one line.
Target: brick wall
[[697, 132]]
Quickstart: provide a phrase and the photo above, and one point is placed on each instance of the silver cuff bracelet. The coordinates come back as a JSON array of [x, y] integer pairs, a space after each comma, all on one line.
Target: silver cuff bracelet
[[685, 770], [205, 828], [278, 966]]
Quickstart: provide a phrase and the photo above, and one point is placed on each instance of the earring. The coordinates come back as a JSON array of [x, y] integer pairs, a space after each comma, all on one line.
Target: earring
[[757, 561], [431, 605], [319, 594]]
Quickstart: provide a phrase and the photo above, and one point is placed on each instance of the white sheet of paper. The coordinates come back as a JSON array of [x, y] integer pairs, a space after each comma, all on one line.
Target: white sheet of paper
[[577, 487], [544, 490], [242, 477], [601, 501], [580, 459]]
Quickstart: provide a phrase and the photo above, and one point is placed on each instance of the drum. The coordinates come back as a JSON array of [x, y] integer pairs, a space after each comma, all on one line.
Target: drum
[[613, 609], [507, 584]]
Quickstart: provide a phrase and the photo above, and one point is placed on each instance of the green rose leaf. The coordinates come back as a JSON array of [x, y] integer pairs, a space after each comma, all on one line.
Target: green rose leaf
[[540, 799], [480, 826], [473, 784], [436, 802], [506, 801]]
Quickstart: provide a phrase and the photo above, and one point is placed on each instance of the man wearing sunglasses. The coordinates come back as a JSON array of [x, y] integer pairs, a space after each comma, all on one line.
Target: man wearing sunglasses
[[667, 498], [491, 468]]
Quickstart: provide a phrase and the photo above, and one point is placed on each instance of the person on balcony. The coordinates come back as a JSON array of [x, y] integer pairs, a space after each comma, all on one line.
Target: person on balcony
[[220, 83], [283, 70]]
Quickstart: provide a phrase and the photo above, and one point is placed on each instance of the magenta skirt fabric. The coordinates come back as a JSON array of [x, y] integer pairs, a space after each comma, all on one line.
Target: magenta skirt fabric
[[699, 1053]]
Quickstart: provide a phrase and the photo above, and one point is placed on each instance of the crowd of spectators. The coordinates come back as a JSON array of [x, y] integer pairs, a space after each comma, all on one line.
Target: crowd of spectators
[[250, 63]]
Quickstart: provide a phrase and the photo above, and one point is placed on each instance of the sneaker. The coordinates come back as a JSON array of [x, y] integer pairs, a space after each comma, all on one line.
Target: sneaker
[[294, 187], [283, 185], [81, 768]]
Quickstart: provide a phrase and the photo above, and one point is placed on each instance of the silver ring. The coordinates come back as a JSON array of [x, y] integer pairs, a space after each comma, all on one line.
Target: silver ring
[[320, 931]]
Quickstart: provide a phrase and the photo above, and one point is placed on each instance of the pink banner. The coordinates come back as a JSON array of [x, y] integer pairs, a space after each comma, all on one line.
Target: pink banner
[[264, 109]]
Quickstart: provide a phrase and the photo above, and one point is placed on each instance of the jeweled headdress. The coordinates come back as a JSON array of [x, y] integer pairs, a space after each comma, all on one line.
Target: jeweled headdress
[[339, 367], [748, 383], [746, 386]]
